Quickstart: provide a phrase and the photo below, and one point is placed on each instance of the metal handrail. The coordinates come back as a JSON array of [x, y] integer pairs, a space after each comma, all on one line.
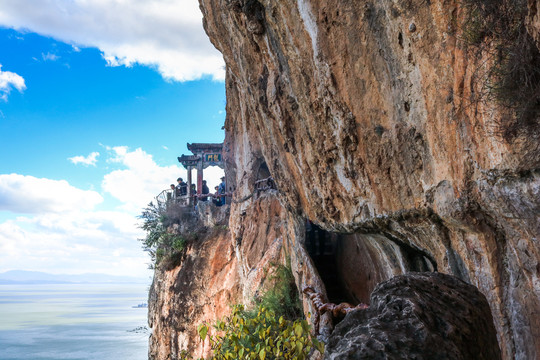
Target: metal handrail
[[168, 195]]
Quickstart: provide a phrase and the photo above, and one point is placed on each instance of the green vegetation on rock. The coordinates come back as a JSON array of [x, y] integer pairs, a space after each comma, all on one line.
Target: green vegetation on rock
[[259, 335], [273, 329], [162, 245]]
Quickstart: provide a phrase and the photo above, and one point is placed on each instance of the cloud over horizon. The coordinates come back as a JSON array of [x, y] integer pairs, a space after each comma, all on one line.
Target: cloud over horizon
[[63, 232], [31, 195], [165, 34], [78, 242]]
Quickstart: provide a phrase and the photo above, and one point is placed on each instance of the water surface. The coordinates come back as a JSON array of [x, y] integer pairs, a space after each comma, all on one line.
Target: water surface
[[73, 321]]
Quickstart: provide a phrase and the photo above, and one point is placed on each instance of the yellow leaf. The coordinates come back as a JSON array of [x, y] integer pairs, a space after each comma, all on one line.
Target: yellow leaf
[[298, 347], [298, 330], [203, 330]]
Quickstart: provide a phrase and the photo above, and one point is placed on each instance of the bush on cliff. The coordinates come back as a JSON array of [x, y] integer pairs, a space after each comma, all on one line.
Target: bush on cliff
[[281, 295], [274, 329], [259, 335], [163, 245]]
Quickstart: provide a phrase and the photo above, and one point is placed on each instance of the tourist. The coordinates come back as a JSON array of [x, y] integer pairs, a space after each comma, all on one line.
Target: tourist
[[181, 188], [222, 190], [217, 199], [171, 194], [205, 190], [194, 194]]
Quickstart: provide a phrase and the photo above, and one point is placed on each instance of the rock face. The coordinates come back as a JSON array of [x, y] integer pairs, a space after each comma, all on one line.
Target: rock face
[[363, 113], [418, 316], [219, 269], [199, 290], [368, 116]]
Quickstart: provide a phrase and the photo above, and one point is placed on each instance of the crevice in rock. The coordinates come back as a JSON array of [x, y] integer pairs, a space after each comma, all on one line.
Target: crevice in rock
[[322, 248], [263, 172]]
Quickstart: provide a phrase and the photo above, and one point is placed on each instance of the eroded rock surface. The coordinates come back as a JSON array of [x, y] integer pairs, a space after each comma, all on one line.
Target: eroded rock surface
[[366, 114], [199, 290], [418, 316]]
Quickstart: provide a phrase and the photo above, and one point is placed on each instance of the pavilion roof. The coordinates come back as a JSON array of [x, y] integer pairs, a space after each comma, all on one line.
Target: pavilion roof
[[204, 147]]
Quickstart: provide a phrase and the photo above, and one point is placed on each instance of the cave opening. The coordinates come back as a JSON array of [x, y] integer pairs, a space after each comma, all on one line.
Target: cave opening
[[351, 265], [322, 247], [263, 172]]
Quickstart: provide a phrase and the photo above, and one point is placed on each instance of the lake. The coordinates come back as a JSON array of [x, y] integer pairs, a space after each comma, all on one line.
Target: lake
[[73, 322]]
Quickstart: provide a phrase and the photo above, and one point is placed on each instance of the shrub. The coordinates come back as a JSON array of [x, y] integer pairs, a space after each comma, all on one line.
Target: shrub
[[259, 336], [178, 243], [274, 329], [281, 295], [163, 246]]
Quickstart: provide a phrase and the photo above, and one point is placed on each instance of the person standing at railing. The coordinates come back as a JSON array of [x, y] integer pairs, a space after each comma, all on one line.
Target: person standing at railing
[[171, 194], [194, 194], [222, 189], [181, 188], [204, 190]]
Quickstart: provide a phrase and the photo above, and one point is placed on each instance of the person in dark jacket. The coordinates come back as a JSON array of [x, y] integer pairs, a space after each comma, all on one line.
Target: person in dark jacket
[[205, 190], [181, 188]]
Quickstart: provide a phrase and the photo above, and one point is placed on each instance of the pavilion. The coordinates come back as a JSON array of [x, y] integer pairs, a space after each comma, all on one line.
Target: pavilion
[[204, 155]]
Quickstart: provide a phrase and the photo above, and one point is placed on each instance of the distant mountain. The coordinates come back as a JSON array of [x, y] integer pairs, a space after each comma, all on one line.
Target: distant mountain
[[36, 277]]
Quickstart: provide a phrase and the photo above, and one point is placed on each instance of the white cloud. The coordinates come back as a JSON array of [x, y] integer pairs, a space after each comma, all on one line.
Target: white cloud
[[49, 56], [213, 176], [91, 159], [77, 242], [64, 233], [141, 180], [166, 34], [28, 194], [8, 81]]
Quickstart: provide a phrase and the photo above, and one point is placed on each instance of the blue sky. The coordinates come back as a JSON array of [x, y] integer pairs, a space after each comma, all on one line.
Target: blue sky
[[91, 123]]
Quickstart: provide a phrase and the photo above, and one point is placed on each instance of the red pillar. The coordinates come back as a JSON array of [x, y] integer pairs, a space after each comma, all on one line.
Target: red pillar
[[199, 177], [189, 182]]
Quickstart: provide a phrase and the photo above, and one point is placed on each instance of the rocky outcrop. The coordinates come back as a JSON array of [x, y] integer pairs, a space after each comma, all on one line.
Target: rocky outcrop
[[418, 316], [220, 268], [370, 116], [200, 290]]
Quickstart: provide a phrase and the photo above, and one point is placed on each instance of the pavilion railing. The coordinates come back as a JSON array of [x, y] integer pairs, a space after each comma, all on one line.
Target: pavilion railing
[[168, 196]]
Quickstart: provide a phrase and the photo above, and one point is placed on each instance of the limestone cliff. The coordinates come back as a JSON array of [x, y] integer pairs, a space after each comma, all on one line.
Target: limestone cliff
[[369, 116]]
